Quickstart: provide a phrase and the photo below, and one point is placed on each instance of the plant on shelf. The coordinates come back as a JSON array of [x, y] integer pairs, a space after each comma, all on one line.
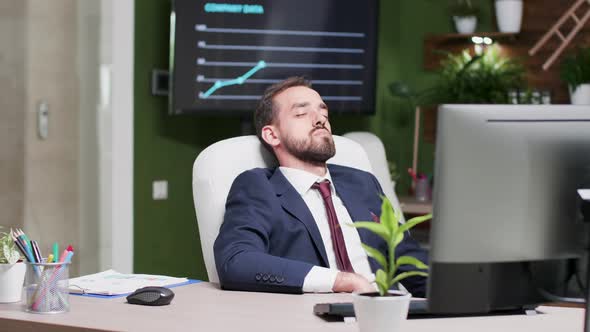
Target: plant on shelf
[[484, 78], [575, 71], [463, 8], [509, 15], [464, 15], [386, 309]]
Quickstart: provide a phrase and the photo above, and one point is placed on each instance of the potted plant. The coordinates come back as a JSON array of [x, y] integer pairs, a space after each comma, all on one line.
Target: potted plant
[[12, 271], [386, 310], [575, 71], [484, 78], [465, 16], [508, 15]]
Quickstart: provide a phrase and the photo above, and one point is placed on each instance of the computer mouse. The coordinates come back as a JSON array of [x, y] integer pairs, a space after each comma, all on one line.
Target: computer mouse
[[151, 296]]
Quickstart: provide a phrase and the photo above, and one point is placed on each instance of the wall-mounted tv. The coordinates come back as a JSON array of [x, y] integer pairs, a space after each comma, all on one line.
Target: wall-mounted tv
[[225, 54]]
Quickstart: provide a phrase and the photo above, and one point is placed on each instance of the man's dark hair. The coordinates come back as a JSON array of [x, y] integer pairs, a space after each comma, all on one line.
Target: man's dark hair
[[265, 113]]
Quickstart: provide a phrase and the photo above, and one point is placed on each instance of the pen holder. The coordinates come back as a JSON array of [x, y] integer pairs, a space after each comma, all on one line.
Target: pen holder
[[46, 288], [422, 190]]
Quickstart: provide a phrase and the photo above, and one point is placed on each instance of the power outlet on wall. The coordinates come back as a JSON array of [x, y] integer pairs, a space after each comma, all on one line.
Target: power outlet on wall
[[160, 190]]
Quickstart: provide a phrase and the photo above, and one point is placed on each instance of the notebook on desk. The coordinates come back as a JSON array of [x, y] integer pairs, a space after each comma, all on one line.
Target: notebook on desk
[[112, 283]]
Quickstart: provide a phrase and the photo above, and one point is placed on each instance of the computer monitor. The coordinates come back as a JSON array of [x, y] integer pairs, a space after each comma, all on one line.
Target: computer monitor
[[506, 219]]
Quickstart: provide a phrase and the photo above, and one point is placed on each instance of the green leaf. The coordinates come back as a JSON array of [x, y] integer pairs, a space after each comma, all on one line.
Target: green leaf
[[409, 260], [405, 275], [391, 247], [374, 227], [398, 239], [414, 221], [8, 252], [388, 216], [382, 282], [377, 255]]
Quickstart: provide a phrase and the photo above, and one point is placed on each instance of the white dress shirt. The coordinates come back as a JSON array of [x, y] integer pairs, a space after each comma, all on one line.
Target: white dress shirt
[[321, 279]]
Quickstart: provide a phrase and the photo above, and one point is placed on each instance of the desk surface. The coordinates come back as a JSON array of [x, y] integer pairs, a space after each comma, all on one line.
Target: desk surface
[[205, 307]]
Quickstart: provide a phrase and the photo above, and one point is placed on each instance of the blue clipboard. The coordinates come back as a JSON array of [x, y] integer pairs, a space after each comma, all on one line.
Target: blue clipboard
[[100, 296]]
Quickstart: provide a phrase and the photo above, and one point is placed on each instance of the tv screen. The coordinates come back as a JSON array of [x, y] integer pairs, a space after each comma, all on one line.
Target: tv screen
[[225, 54]]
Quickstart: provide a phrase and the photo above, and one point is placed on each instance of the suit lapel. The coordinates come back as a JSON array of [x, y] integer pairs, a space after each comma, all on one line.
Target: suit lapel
[[292, 202], [356, 207], [349, 194]]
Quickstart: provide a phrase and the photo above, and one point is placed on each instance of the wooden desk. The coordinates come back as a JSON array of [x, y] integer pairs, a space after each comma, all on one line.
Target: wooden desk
[[203, 307]]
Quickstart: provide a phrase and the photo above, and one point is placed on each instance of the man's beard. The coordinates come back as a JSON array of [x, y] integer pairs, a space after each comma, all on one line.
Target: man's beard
[[311, 150]]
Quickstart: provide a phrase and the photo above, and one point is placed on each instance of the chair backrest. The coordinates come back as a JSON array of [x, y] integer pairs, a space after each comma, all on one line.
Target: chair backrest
[[218, 165], [378, 159]]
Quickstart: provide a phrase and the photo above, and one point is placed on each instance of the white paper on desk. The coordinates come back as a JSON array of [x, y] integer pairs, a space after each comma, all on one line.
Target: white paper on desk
[[111, 282]]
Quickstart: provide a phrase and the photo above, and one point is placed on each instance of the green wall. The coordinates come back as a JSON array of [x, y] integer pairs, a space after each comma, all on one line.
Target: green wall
[[165, 232]]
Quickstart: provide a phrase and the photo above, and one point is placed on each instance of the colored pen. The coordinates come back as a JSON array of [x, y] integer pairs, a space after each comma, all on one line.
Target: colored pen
[[26, 247], [55, 251], [69, 257], [50, 258], [36, 251], [25, 237], [20, 247], [63, 256]]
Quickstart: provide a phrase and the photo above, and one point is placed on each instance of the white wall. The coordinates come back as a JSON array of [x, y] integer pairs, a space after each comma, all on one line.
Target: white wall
[[116, 127], [51, 165]]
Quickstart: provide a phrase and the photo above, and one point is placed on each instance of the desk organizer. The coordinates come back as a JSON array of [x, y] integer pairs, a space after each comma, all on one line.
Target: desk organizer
[[46, 288]]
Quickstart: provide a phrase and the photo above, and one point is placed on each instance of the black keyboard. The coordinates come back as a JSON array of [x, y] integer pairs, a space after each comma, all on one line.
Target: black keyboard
[[418, 307]]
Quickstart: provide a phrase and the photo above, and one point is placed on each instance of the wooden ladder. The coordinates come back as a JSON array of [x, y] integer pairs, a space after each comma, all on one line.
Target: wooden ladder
[[554, 31]]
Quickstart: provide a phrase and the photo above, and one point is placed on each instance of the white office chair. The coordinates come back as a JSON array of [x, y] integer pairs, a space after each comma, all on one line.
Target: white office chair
[[218, 165], [376, 152]]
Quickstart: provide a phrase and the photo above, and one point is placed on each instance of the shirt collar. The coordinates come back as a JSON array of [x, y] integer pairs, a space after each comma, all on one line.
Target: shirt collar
[[302, 180]]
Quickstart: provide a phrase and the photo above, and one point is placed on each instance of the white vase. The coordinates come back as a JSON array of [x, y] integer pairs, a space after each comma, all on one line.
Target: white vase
[[509, 15], [381, 313], [581, 95], [465, 24], [12, 277]]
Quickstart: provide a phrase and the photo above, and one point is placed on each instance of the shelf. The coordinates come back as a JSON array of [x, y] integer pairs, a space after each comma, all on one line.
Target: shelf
[[455, 43], [493, 35], [412, 206]]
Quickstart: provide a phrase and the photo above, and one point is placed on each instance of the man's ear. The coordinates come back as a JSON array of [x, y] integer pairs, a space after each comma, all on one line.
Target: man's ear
[[270, 135]]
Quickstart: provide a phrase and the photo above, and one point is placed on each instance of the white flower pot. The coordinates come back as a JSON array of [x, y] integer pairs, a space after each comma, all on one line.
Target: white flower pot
[[12, 277], [381, 313], [509, 15], [465, 24], [581, 95]]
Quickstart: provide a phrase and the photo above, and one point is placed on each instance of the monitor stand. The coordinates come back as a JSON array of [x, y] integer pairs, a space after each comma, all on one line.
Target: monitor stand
[[584, 203], [586, 314]]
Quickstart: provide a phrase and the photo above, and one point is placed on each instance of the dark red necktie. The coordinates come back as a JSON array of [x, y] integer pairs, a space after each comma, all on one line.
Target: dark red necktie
[[342, 259]]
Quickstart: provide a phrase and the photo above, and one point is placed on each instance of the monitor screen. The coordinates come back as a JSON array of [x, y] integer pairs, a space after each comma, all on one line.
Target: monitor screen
[[506, 203], [225, 54]]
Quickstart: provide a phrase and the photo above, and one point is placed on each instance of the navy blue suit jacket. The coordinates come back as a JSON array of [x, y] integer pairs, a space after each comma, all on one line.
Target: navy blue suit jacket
[[269, 240]]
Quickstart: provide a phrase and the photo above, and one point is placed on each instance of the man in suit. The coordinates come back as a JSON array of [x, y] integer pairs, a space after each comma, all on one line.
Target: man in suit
[[285, 229]]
